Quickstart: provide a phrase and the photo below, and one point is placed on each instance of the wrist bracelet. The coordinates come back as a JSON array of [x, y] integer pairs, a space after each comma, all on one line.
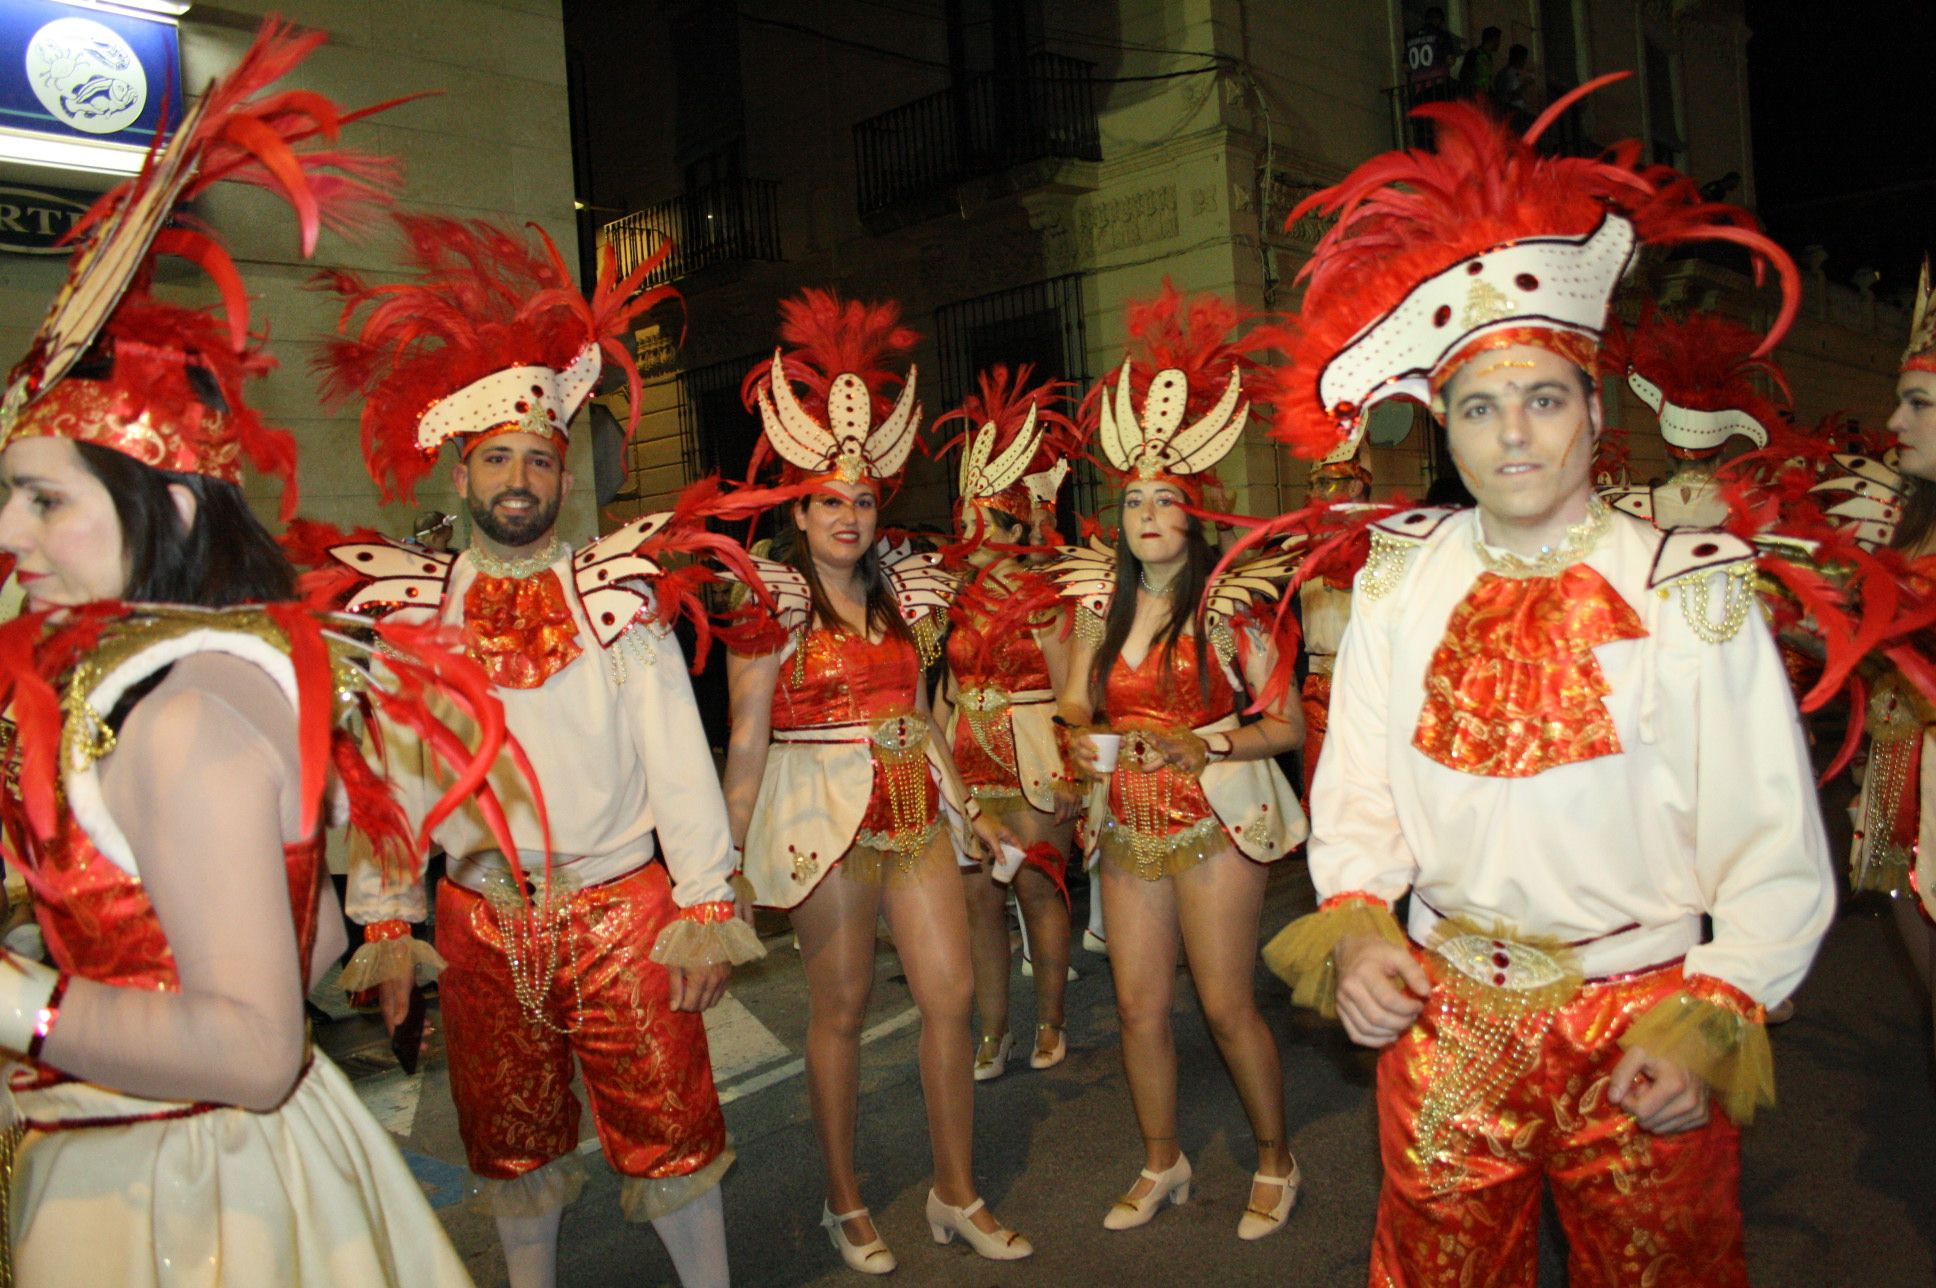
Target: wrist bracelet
[[49, 1013]]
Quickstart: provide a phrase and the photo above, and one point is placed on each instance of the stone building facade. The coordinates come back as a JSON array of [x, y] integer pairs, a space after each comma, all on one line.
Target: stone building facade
[[1014, 170], [492, 140]]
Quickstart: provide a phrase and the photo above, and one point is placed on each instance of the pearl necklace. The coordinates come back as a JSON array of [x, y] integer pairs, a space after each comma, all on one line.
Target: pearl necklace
[[516, 569]]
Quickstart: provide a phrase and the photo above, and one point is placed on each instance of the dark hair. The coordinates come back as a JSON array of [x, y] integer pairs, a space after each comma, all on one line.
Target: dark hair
[[1918, 514], [790, 546], [224, 557], [1200, 557], [1517, 56], [1490, 33]]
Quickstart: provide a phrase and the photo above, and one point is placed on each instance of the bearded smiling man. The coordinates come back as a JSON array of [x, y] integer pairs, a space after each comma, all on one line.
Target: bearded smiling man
[[602, 953], [514, 486]]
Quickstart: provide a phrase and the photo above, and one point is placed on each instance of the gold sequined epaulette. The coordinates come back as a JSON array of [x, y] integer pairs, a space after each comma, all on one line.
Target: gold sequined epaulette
[[1385, 565], [928, 630], [1090, 626], [143, 642]]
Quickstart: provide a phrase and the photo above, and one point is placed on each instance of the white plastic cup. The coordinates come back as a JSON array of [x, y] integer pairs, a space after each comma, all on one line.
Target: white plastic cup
[[1108, 747], [1009, 863]]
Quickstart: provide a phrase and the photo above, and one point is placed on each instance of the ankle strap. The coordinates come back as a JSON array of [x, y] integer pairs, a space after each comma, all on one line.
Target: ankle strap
[[843, 1216]]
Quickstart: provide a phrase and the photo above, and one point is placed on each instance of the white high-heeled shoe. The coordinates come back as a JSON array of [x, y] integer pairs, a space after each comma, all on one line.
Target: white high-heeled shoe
[[1040, 1059], [945, 1222], [1172, 1183], [1256, 1223], [868, 1258], [994, 1064]]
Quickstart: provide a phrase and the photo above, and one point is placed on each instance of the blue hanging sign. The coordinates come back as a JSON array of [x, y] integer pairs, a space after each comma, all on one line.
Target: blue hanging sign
[[86, 75]]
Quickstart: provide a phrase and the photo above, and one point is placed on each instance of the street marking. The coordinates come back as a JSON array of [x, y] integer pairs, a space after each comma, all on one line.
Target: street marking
[[391, 1097], [792, 1068], [739, 1042]]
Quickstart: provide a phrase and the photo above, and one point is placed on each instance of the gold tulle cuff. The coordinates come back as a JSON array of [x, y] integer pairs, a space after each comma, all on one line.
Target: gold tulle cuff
[[1715, 1032], [647, 1198], [693, 944], [543, 1189], [383, 960], [1301, 953], [1154, 857]]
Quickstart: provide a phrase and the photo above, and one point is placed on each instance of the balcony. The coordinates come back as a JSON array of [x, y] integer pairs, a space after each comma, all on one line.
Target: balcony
[[909, 160], [1564, 137], [735, 221]]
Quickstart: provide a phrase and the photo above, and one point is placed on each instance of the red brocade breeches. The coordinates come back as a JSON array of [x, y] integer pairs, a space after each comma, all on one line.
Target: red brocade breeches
[[1638, 1209], [646, 1066], [1316, 700]]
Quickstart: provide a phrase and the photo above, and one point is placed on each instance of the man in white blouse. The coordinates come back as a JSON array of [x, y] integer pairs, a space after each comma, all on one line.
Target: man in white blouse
[[1570, 739]]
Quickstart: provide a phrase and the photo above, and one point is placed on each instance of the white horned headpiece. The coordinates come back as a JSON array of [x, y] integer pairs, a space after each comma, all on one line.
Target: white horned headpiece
[[1180, 421], [841, 424]]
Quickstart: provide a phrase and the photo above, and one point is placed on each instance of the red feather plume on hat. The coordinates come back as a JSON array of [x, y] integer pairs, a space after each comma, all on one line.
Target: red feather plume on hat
[[482, 299], [1407, 216], [822, 337]]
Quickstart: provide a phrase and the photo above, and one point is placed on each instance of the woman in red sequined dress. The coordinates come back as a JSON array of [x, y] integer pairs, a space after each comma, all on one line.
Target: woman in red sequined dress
[[164, 1119], [1008, 645], [1193, 809], [834, 770]]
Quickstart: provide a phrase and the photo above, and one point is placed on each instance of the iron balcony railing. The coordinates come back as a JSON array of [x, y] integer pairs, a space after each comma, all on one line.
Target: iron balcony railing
[[1564, 137], [979, 126], [732, 221]]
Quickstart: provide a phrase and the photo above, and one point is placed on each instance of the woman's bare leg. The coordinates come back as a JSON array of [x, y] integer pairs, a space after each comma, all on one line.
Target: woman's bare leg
[[928, 917], [988, 946], [836, 929], [1218, 905], [1142, 960]]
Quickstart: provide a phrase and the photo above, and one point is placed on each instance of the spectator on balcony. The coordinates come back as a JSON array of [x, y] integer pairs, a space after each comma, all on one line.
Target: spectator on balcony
[[1475, 73], [1512, 87], [1431, 49]]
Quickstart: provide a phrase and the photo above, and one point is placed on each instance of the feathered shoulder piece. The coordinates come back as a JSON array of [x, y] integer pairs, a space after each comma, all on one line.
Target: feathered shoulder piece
[[489, 335], [833, 401], [61, 680], [1001, 602], [1177, 404], [922, 587], [1698, 373], [1481, 241], [116, 365], [1863, 496]]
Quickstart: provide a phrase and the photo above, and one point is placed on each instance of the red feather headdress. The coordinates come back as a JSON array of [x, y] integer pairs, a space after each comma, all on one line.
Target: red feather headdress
[[854, 416], [112, 364], [1697, 373], [1481, 242], [1176, 405], [1017, 446], [491, 336]]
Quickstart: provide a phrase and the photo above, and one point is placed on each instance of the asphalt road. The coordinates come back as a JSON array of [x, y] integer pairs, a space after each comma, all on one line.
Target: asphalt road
[[1839, 1180]]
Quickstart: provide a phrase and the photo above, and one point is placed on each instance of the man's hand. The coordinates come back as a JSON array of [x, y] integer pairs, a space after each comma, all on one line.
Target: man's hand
[[697, 988], [1381, 989], [1662, 1096], [393, 999]]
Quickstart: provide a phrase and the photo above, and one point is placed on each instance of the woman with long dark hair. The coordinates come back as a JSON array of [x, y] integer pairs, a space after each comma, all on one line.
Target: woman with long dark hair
[[834, 771], [168, 1122], [1192, 809]]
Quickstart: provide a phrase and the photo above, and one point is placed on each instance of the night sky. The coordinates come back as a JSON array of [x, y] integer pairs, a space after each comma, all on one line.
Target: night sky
[[1843, 98]]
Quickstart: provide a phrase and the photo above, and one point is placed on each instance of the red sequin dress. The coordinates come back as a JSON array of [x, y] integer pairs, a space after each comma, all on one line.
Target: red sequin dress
[[1160, 820], [1003, 736], [109, 1187], [847, 778]]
